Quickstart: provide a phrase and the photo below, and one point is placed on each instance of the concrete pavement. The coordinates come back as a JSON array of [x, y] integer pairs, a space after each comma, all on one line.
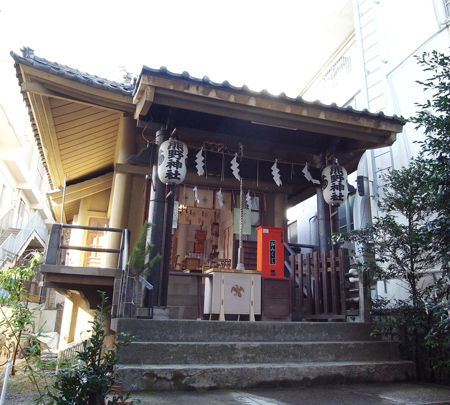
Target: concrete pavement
[[351, 394]]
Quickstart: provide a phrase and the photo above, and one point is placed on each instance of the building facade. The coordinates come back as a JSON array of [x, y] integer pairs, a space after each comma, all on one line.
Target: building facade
[[24, 208], [375, 68]]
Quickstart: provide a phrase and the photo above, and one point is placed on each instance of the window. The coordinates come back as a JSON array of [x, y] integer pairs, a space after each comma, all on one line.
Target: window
[[292, 232], [2, 196], [21, 217], [447, 8]]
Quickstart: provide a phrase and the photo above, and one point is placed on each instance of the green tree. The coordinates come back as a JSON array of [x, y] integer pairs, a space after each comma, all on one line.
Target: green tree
[[433, 117], [90, 378], [17, 318], [140, 262]]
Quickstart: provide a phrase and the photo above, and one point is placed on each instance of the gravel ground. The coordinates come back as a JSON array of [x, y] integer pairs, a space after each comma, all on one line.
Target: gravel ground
[[20, 390]]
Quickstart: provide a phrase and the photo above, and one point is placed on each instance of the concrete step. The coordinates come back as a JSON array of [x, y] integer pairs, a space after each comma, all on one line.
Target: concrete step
[[255, 352], [138, 378], [152, 330]]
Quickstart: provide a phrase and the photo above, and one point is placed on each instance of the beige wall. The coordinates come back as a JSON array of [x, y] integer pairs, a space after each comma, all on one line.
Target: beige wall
[[76, 321], [136, 207]]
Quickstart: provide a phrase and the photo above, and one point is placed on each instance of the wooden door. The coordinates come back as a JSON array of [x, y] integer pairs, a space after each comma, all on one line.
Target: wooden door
[[95, 239]]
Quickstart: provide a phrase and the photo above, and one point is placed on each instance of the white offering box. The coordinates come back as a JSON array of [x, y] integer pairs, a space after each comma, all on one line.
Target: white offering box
[[236, 292]]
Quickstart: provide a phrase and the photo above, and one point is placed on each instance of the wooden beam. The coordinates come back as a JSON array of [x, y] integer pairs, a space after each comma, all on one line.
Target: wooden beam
[[232, 184], [39, 88], [371, 136], [84, 189], [254, 148], [132, 169], [73, 89], [292, 112], [77, 280], [143, 100], [44, 121], [80, 271]]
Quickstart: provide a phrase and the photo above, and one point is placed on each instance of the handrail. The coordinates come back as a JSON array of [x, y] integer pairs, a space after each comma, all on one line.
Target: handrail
[[288, 248], [92, 228], [6, 220], [14, 243], [89, 249], [56, 244], [303, 245]]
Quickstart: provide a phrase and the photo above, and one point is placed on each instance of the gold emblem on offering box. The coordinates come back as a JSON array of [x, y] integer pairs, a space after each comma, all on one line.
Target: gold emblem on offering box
[[237, 290]]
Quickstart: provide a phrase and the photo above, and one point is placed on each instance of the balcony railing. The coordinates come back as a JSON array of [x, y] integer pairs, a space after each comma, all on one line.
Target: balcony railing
[[59, 244]]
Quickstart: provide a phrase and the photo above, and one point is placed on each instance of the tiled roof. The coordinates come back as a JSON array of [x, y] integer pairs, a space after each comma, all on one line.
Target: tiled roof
[[30, 59], [128, 88], [225, 85]]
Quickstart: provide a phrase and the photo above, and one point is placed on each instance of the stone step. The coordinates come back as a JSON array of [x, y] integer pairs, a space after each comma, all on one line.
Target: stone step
[[255, 352], [152, 330], [138, 378]]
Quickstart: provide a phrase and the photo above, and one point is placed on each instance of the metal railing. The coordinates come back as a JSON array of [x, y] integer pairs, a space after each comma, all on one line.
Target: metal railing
[[57, 246], [15, 244], [6, 220]]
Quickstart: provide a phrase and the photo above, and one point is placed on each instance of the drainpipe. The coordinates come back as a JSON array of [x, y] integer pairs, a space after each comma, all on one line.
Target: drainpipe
[[167, 244], [323, 220], [362, 218], [312, 235]]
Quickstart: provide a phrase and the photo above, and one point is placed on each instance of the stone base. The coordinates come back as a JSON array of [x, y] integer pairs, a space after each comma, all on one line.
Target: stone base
[[194, 377], [160, 313]]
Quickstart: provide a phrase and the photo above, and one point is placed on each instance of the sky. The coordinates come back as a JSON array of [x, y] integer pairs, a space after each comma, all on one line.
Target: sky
[[264, 44]]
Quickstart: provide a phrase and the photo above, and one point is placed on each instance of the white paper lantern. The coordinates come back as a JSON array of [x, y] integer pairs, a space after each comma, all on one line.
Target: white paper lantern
[[334, 184], [172, 161]]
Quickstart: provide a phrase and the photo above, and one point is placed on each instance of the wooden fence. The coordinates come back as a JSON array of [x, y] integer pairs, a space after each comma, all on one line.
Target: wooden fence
[[318, 285]]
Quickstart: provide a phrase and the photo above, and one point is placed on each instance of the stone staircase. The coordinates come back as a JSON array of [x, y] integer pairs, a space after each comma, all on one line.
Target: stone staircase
[[186, 355]]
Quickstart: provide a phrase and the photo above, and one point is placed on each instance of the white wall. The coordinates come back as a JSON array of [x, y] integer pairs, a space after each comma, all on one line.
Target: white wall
[[403, 28]]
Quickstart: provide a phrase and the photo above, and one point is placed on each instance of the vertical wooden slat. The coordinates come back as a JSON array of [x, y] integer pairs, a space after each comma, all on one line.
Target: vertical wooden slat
[[342, 267], [316, 284], [325, 283], [334, 297], [301, 282], [301, 288], [308, 306], [293, 262]]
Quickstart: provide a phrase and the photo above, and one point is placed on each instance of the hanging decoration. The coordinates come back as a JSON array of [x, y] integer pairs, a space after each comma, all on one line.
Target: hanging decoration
[[235, 167], [195, 190], [334, 184], [308, 176], [220, 198], [172, 161], [200, 162], [276, 173], [248, 199]]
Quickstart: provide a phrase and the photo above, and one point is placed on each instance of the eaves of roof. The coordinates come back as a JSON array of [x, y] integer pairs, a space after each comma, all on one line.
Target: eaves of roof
[[225, 85], [129, 89], [74, 74]]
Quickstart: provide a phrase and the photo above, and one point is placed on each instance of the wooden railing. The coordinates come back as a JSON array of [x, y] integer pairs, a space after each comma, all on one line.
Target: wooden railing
[[318, 285]]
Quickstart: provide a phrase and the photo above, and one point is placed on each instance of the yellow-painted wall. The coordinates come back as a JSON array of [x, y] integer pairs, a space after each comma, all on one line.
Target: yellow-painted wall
[[137, 205]]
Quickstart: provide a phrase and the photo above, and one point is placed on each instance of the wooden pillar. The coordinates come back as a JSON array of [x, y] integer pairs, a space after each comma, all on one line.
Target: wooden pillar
[[121, 188]]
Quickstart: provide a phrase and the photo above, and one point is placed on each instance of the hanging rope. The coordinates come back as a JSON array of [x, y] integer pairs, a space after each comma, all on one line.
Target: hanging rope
[[241, 156]]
